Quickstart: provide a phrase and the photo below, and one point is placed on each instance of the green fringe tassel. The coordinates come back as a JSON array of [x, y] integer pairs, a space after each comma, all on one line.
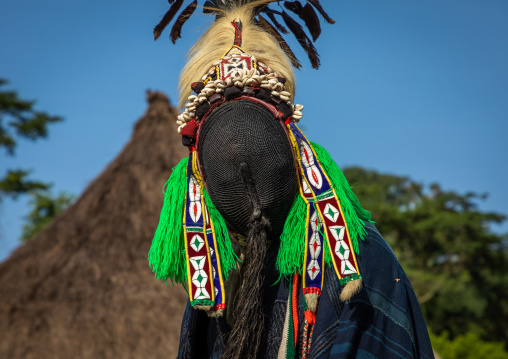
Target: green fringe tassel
[[227, 255], [167, 253], [292, 241], [353, 211], [339, 181]]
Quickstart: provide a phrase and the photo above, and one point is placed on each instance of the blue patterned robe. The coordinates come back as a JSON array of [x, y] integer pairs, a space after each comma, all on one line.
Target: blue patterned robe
[[384, 320]]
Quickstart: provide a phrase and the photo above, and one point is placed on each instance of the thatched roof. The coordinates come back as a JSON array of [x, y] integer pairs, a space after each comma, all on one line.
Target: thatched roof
[[82, 287]]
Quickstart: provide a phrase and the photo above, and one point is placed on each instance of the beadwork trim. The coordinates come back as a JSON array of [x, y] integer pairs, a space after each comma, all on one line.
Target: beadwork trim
[[253, 74]]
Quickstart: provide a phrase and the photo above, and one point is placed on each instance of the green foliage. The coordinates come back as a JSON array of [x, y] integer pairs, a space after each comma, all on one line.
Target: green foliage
[[44, 207], [15, 183], [456, 265], [19, 120], [469, 346]]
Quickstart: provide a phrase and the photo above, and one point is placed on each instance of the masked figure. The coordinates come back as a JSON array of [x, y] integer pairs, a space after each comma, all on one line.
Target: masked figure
[[277, 255]]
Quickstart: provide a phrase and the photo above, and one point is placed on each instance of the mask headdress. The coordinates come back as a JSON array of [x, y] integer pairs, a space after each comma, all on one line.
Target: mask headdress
[[220, 8], [243, 57]]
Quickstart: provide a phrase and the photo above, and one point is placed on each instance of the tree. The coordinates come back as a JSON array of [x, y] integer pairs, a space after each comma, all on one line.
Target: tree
[[45, 207], [456, 264], [19, 120], [468, 346]]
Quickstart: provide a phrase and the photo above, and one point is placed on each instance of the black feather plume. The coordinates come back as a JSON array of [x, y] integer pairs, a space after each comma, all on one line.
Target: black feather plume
[[294, 6], [304, 41], [306, 13], [277, 24], [283, 44], [301, 36], [157, 31], [319, 8], [184, 16], [309, 16]]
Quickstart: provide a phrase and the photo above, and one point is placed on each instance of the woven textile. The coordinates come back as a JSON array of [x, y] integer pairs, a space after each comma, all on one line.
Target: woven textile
[[384, 320], [239, 132]]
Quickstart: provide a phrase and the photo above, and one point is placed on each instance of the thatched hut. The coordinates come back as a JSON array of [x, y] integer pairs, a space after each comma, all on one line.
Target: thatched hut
[[82, 287]]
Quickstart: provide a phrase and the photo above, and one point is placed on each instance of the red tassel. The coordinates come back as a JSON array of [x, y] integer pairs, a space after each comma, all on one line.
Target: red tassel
[[190, 129], [294, 306], [310, 317], [308, 329], [238, 33]]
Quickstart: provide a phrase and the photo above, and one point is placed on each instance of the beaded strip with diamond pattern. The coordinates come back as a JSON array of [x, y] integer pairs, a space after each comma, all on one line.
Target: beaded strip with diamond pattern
[[316, 183], [206, 287]]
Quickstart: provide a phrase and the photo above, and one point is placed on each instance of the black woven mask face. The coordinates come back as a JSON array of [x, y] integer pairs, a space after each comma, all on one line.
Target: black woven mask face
[[247, 162]]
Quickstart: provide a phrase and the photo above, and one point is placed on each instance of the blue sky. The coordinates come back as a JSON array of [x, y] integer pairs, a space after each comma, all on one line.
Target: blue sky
[[417, 88]]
